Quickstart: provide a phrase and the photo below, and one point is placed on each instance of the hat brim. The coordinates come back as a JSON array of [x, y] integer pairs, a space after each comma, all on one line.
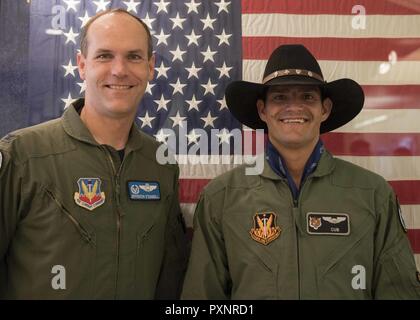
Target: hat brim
[[346, 95]]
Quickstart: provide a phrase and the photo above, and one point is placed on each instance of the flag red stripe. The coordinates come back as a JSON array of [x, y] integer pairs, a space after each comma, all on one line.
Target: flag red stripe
[[343, 7], [414, 237], [372, 144], [189, 189], [349, 49], [408, 97], [407, 190]]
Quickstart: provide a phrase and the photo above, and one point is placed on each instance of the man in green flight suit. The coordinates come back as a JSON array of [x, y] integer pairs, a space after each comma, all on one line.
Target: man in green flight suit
[[310, 226], [86, 211]]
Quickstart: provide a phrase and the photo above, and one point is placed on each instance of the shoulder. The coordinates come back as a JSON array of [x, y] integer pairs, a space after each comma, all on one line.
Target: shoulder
[[150, 150], [36, 141], [348, 174], [233, 179]]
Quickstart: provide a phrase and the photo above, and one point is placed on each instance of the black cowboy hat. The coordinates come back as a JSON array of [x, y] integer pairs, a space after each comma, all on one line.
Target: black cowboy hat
[[289, 65]]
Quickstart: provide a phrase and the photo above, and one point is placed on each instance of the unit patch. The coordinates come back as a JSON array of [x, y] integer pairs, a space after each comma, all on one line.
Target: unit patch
[[328, 223], [143, 190], [89, 196], [265, 229]]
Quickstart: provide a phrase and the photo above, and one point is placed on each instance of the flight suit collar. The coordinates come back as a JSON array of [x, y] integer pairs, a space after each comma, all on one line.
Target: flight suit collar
[[75, 128], [325, 166]]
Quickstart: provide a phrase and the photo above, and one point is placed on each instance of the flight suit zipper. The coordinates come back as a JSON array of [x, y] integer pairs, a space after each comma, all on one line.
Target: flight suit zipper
[[296, 202], [295, 205], [85, 235], [116, 176]]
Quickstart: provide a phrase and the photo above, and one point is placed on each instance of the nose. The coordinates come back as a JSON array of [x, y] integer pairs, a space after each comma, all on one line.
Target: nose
[[119, 67], [294, 102]]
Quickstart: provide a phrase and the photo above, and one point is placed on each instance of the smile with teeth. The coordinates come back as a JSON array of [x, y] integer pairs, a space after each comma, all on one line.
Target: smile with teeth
[[296, 120], [118, 87]]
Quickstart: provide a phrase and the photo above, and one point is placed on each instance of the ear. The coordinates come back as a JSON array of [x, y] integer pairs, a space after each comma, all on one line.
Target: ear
[[81, 64], [152, 67], [326, 108], [261, 110]]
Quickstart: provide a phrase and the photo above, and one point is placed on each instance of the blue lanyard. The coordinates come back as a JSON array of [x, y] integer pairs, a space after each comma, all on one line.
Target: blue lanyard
[[277, 163]]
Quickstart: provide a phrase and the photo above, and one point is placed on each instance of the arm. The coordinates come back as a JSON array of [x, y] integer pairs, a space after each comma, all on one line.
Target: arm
[[207, 274], [9, 201], [176, 252], [395, 272]]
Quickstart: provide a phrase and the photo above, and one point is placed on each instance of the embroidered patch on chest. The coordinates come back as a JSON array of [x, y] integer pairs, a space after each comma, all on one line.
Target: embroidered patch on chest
[[328, 223], [143, 190], [265, 228], [89, 196]]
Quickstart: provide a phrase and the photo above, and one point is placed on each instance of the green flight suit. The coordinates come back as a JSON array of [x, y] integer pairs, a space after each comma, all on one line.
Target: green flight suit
[[119, 248], [370, 259]]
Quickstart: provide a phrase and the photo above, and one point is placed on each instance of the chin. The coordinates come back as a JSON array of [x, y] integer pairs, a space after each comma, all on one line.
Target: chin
[[120, 108]]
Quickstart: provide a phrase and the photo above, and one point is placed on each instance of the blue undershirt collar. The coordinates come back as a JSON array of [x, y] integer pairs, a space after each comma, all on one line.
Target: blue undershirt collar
[[278, 165]]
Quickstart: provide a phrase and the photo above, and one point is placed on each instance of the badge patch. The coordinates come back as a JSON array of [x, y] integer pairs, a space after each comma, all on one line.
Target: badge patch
[[265, 229], [89, 196], [315, 222], [328, 223], [143, 190]]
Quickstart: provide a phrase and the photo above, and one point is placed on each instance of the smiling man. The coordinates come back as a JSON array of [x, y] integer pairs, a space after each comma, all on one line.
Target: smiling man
[[86, 212], [310, 226]]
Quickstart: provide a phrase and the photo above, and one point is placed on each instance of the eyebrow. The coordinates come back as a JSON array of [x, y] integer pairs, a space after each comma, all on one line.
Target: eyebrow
[[110, 51]]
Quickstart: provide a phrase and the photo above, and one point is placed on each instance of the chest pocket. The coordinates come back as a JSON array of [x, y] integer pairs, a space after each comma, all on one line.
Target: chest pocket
[[150, 243], [345, 271], [254, 273], [51, 238]]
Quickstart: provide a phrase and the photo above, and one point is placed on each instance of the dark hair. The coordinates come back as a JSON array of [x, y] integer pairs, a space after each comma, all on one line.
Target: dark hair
[[83, 36]]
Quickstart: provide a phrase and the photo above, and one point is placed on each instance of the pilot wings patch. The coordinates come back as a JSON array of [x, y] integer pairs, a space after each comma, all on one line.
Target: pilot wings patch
[[328, 223], [143, 190]]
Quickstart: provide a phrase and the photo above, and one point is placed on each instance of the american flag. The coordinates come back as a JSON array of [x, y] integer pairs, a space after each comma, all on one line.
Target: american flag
[[203, 45]]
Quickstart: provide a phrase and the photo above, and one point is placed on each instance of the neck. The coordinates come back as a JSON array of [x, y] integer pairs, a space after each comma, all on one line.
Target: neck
[[110, 131], [295, 159]]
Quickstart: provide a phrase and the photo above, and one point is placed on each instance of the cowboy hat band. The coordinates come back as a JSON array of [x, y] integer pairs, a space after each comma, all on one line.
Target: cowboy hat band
[[294, 65], [291, 72]]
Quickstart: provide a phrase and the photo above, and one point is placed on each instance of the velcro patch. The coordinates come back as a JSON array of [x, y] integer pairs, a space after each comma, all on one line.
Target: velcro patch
[[328, 223], [143, 190]]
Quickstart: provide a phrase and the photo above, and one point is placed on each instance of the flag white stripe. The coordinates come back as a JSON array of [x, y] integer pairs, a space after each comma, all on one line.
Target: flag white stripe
[[188, 213], [327, 25], [390, 167], [191, 168], [417, 259], [384, 121], [364, 72], [411, 214]]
